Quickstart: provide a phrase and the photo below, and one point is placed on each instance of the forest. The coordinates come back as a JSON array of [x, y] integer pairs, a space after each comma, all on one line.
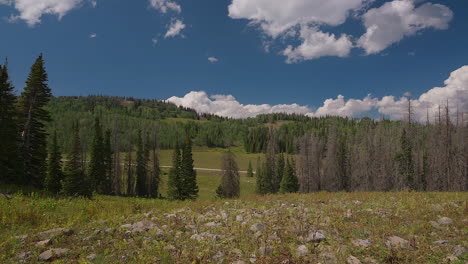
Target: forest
[[78, 146]]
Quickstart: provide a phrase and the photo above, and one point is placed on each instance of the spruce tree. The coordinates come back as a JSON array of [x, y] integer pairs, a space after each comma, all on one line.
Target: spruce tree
[[54, 178], [187, 171], [10, 161], [97, 168], [280, 165], [34, 117], [108, 163], [250, 170], [155, 177], [262, 185], [174, 182], [141, 167], [75, 182], [290, 182], [230, 181], [405, 161]]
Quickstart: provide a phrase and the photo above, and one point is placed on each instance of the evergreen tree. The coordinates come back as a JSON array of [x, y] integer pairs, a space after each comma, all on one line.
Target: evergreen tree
[[405, 161], [75, 182], [97, 168], [290, 182], [129, 172], [141, 167], [34, 117], [155, 177], [187, 171], [280, 166], [108, 163], [250, 170], [174, 182], [262, 183], [10, 161], [54, 178], [230, 181]]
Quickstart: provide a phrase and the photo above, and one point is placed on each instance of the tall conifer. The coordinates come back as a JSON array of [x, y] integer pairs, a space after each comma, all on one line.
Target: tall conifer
[[54, 178]]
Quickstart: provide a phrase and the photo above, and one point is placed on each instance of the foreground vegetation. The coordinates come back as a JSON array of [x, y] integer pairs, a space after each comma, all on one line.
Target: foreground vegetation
[[265, 229]]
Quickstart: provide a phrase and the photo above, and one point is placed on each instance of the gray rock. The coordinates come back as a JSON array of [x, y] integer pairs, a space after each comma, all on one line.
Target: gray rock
[[43, 243], [236, 252], [238, 262], [435, 225], [211, 224], [142, 227], [53, 254], [440, 242], [317, 236], [363, 243], [91, 256], [302, 250], [239, 218], [459, 250], [397, 242], [24, 255], [49, 234], [257, 227], [265, 251], [353, 260], [445, 221]]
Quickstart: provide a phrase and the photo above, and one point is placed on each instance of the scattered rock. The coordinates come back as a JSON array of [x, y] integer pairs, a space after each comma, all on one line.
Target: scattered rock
[[451, 258], [211, 224], [24, 255], [238, 262], [236, 252], [353, 260], [302, 250], [317, 236], [265, 251], [445, 221], [91, 256], [53, 254], [109, 230], [435, 225], [258, 234], [43, 243], [257, 227], [49, 234], [459, 250], [440, 242], [142, 226], [239, 218], [397, 242], [364, 243]]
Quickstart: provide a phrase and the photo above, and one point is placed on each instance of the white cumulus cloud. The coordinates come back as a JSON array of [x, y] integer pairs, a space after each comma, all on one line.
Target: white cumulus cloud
[[31, 11], [395, 20], [455, 92], [213, 59], [165, 5], [92, 35], [175, 29]]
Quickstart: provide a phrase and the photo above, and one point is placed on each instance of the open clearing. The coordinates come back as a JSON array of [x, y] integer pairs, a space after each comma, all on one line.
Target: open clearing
[[297, 228]]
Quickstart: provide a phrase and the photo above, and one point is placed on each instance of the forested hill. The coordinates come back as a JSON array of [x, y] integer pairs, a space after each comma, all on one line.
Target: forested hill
[[126, 115]]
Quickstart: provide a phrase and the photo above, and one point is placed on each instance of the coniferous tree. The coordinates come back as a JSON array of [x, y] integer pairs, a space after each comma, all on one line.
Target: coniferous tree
[[129, 172], [10, 161], [280, 166], [250, 170], [75, 182], [54, 178], [405, 161], [34, 117], [108, 163], [141, 167], [230, 180], [262, 182], [289, 183], [154, 178], [174, 182], [187, 171], [97, 168]]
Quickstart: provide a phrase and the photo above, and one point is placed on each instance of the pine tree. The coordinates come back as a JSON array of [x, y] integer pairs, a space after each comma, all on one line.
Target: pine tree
[[108, 163], [34, 117], [262, 184], [290, 182], [154, 177], [10, 161], [187, 171], [250, 170], [141, 167], [75, 182], [280, 166], [54, 178], [97, 168], [174, 182], [230, 181], [405, 161]]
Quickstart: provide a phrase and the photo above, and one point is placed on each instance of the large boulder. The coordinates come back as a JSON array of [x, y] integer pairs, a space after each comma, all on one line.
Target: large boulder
[[54, 253]]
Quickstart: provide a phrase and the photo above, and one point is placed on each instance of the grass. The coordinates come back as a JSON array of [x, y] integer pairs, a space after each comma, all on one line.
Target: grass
[[288, 220]]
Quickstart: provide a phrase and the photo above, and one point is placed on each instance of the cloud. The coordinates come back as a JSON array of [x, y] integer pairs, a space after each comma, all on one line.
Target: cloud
[[316, 44], [93, 35], [31, 11], [395, 20], [213, 59], [175, 29], [93, 3], [228, 106], [455, 92], [304, 21], [154, 41], [165, 5]]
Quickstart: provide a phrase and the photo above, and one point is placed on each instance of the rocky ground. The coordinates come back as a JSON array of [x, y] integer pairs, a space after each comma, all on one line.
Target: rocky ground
[[316, 228]]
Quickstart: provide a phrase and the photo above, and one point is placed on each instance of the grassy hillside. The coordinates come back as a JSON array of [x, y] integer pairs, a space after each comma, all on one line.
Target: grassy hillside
[[224, 231]]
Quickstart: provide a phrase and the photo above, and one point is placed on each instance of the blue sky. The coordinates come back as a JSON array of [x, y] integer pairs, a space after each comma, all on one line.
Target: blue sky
[[123, 60]]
